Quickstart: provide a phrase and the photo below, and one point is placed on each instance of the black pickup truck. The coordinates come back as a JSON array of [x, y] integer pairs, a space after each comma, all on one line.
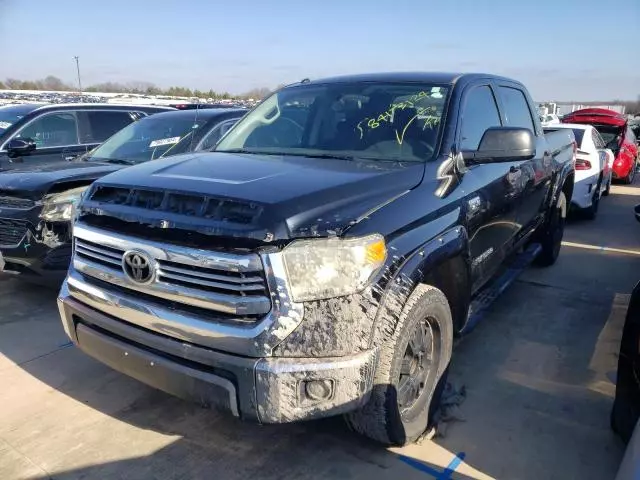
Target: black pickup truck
[[321, 260]]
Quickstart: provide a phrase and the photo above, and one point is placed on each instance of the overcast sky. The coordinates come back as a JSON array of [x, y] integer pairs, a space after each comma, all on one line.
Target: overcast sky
[[561, 49]]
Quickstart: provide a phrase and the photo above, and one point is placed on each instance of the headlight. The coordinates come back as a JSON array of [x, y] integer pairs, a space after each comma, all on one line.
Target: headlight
[[332, 267], [59, 207]]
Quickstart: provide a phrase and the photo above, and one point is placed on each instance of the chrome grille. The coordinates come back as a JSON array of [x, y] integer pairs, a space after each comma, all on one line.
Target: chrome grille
[[232, 284], [16, 203], [12, 231]]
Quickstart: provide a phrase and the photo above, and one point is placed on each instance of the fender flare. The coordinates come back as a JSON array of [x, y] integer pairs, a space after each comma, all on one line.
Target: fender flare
[[412, 271]]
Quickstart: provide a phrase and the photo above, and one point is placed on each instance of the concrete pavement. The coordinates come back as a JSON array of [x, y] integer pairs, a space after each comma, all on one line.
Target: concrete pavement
[[538, 376]]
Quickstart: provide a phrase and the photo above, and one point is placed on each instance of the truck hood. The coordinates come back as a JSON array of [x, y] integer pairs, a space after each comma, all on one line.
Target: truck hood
[[34, 182], [286, 196]]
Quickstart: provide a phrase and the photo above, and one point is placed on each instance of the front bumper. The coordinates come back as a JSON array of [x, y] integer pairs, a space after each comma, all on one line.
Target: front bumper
[[35, 250], [267, 389]]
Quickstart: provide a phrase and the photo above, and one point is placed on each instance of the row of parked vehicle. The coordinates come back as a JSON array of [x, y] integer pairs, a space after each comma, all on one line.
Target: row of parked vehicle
[[607, 150], [313, 256]]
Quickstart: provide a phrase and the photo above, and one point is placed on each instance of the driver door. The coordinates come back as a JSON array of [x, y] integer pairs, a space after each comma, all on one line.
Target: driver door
[[55, 136]]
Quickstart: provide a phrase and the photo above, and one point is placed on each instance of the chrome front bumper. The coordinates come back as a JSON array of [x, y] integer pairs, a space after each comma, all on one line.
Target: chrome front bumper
[[268, 390]]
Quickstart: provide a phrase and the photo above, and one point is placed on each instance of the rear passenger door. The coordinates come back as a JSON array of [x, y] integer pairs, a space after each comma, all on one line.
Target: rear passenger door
[[491, 208], [96, 126], [534, 174]]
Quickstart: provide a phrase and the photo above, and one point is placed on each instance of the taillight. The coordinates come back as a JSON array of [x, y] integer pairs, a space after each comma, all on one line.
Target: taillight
[[583, 164]]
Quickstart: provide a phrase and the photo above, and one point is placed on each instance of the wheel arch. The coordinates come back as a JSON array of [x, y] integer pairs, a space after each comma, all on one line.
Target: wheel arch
[[442, 262]]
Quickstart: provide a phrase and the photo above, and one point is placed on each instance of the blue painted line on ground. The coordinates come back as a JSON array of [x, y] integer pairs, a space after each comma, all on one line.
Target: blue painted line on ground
[[65, 345], [437, 474]]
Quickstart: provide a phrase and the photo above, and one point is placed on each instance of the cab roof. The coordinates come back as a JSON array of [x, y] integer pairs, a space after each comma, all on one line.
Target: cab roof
[[449, 78]]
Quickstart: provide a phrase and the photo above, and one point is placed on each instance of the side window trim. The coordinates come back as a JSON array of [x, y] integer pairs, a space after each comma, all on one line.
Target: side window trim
[[463, 102], [39, 117], [219, 126]]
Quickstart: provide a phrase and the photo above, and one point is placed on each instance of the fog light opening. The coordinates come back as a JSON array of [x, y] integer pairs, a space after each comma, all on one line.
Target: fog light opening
[[318, 390]]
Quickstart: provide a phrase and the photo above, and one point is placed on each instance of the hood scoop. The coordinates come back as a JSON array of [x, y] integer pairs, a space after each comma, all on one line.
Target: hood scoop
[[171, 203]]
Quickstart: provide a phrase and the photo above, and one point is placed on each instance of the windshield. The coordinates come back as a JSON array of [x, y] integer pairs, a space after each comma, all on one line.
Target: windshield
[[147, 139], [375, 121], [9, 116]]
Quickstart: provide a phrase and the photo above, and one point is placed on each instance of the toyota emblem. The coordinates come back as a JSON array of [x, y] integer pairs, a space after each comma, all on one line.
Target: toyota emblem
[[138, 267]]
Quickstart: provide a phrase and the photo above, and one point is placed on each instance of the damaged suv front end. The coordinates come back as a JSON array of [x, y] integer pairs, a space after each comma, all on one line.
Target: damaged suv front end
[[36, 231]]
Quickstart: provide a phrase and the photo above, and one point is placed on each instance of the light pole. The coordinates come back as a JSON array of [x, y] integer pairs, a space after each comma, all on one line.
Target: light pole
[[78, 69]]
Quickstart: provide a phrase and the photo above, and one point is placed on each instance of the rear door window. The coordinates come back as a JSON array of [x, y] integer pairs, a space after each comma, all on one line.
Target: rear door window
[[52, 130], [480, 112], [516, 108], [100, 125], [579, 134]]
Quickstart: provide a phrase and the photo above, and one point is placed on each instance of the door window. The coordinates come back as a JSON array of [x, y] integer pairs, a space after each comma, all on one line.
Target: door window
[[480, 113], [216, 134], [516, 108], [52, 130], [100, 125]]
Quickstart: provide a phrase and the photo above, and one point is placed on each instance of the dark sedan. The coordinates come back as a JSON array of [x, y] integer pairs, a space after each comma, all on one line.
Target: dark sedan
[[37, 203]]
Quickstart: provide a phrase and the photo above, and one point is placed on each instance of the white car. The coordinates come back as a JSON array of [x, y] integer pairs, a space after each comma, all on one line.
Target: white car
[[549, 119], [594, 170]]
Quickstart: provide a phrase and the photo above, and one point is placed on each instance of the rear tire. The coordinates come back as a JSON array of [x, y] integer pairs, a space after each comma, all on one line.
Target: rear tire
[[410, 372], [608, 189], [628, 180], [591, 212], [551, 237]]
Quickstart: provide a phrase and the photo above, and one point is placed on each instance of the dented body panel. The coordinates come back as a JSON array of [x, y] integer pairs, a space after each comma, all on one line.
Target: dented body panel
[[444, 223]]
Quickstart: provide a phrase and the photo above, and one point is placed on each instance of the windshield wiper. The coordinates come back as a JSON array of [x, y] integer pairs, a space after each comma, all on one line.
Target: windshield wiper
[[290, 154], [118, 161]]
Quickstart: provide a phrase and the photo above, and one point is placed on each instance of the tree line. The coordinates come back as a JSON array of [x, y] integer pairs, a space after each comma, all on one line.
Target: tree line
[[142, 88]]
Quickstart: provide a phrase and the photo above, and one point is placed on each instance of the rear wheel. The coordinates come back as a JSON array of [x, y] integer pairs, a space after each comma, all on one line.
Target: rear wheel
[[550, 237], [410, 372], [628, 180], [608, 189], [592, 211]]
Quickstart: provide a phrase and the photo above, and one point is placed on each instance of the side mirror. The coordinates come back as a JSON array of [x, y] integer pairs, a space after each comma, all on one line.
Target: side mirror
[[500, 144], [19, 147], [637, 210]]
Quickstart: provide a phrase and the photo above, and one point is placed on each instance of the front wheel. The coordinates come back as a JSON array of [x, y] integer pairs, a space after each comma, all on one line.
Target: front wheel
[[411, 367], [551, 236]]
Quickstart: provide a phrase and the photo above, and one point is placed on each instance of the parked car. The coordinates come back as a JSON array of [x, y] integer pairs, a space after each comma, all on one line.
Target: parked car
[[549, 119], [618, 136], [322, 258], [625, 414], [37, 202], [594, 171], [32, 134]]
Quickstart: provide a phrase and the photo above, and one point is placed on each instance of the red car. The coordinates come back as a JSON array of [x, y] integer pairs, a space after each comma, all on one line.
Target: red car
[[615, 130]]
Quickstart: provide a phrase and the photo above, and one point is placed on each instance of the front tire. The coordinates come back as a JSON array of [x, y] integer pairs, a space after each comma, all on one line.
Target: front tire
[[412, 364], [551, 237]]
